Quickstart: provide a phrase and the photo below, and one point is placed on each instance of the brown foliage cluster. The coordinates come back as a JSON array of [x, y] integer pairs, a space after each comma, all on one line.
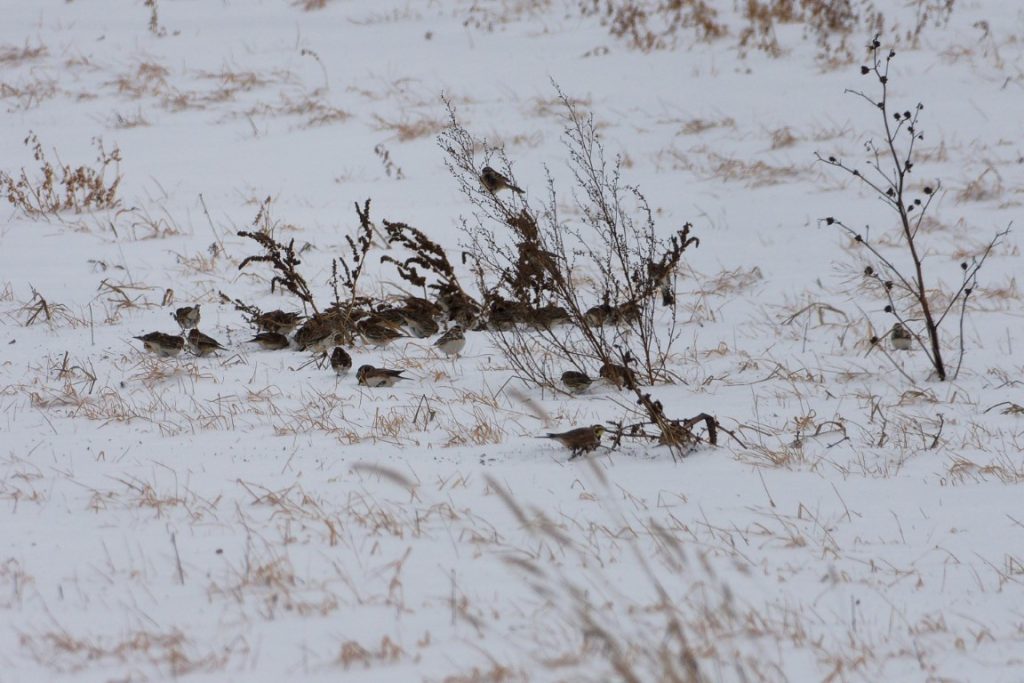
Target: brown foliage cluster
[[281, 257], [60, 187], [649, 25]]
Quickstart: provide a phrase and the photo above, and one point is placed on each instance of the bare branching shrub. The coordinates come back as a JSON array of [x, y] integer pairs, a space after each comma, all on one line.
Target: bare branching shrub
[[917, 309], [596, 294], [60, 187]]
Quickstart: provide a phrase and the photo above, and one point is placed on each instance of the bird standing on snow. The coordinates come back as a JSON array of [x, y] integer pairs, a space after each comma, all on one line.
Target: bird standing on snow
[[576, 381], [187, 317], [901, 337], [271, 341], [580, 440], [280, 322], [341, 362], [452, 342], [370, 376], [163, 345], [202, 344], [619, 375]]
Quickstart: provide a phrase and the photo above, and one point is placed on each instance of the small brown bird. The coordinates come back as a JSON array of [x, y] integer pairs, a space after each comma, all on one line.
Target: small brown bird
[[452, 342], [377, 333], [341, 362], [625, 314], [901, 338], [416, 304], [580, 440], [420, 323], [547, 317], [619, 375], [187, 317], [576, 381], [494, 182], [394, 317], [271, 341], [502, 315], [163, 345], [370, 376], [661, 276], [596, 316], [278, 321], [201, 344]]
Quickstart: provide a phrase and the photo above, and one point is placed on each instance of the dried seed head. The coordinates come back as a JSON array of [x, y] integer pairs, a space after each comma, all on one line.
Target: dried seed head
[[888, 309], [869, 271]]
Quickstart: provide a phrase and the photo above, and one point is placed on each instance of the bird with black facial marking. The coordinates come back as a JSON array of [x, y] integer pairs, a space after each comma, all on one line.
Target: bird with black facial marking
[[452, 342], [901, 338]]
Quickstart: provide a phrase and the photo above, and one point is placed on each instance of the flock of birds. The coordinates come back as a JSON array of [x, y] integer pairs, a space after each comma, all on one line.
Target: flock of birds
[[274, 328], [418, 317]]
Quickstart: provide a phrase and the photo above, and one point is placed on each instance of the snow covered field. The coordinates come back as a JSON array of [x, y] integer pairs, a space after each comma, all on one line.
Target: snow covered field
[[250, 516]]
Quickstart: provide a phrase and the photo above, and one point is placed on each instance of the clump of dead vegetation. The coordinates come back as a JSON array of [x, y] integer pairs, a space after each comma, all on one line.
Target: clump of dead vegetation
[[649, 25], [280, 256], [60, 187], [594, 296], [918, 309]]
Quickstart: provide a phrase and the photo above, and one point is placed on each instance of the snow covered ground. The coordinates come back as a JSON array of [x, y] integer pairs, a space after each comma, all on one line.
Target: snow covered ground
[[249, 516]]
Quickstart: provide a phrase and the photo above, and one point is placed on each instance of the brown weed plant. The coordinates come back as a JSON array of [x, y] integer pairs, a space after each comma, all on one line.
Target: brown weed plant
[[60, 187], [281, 257]]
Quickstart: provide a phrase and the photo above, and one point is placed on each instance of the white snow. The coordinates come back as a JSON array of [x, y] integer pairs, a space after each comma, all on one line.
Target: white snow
[[251, 517]]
